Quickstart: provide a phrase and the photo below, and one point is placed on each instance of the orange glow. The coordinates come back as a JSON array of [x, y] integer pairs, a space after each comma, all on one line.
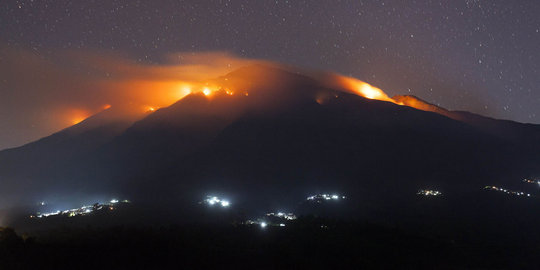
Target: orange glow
[[184, 91], [363, 89], [370, 92], [143, 92], [77, 115], [150, 109], [106, 106], [77, 120], [206, 91], [420, 104]]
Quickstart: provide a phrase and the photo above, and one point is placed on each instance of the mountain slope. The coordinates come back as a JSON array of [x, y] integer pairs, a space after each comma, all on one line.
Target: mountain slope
[[509, 130], [273, 135], [28, 168]]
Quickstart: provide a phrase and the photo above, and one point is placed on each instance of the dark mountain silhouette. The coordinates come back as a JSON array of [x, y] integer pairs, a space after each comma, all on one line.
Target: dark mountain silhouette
[[26, 169], [505, 129], [280, 136]]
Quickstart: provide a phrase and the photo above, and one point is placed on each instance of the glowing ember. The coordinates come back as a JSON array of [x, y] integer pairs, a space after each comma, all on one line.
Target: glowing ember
[[77, 120], [150, 109], [364, 89], [184, 91], [206, 91], [371, 92]]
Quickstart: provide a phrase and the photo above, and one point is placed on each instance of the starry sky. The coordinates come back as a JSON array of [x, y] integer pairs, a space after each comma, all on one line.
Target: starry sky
[[475, 55]]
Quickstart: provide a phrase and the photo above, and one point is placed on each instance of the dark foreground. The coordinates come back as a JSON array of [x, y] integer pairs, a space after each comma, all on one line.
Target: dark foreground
[[306, 243]]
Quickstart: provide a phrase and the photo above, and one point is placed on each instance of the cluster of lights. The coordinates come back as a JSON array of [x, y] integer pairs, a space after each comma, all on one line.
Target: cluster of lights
[[429, 192], [324, 197], [84, 210], [264, 224], [286, 216], [531, 181], [510, 192], [213, 200], [273, 219]]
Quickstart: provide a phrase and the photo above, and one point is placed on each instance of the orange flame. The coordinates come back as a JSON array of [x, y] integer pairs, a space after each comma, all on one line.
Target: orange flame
[[206, 91], [365, 90], [77, 120], [77, 115], [150, 109]]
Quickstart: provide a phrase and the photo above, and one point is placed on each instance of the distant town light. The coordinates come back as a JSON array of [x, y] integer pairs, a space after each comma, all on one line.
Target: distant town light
[[281, 215], [429, 192], [212, 200], [324, 197], [507, 191], [263, 224], [84, 210]]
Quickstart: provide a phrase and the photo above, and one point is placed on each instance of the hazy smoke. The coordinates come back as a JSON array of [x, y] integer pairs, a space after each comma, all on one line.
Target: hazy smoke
[[41, 94]]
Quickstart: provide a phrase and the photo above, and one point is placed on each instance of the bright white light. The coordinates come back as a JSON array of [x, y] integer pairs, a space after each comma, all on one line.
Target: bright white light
[[207, 91], [427, 192], [324, 197], [281, 225], [263, 224], [212, 200], [113, 201]]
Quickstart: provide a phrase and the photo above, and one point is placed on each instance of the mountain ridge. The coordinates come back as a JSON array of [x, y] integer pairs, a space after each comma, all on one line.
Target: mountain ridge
[[308, 134]]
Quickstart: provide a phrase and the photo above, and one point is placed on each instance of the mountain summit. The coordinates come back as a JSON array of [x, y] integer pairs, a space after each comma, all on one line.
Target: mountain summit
[[264, 132]]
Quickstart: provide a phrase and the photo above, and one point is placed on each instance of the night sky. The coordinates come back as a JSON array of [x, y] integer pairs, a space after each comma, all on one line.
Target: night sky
[[480, 56]]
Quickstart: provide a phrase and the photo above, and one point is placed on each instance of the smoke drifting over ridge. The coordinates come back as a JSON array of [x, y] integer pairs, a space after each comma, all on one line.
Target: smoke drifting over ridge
[[49, 93]]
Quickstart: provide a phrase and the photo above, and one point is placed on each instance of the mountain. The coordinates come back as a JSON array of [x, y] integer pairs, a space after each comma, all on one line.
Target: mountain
[[505, 129], [29, 168], [269, 136]]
